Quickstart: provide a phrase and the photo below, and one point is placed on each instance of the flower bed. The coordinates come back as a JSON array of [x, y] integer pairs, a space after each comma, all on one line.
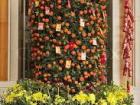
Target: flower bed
[[29, 92]]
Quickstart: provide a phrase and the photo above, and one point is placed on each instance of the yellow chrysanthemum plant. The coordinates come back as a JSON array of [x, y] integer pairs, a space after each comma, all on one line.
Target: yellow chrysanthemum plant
[[30, 92], [84, 98]]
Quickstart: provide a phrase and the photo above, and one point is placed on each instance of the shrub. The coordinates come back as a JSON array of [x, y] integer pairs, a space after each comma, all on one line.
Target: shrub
[[28, 92]]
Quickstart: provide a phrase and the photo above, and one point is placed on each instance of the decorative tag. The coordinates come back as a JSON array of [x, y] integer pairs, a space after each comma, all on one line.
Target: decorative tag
[[101, 31], [69, 4], [40, 26], [58, 50], [36, 3], [47, 10], [83, 56], [68, 64], [82, 22], [58, 27], [94, 42], [93, 12], [104, 15], [37, 12]]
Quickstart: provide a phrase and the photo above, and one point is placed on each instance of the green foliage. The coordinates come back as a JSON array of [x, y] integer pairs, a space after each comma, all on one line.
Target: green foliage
[[74, 29], [29, 92]]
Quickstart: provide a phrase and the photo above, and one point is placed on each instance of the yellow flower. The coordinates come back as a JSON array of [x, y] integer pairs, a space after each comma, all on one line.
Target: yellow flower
[[17, 87], [81, 97], [33, 103], [10, 98], [21, 93], [91, 98], [102, 102], [111, 98], [120, 95], [28, 98], [59, 100], [39, 97]]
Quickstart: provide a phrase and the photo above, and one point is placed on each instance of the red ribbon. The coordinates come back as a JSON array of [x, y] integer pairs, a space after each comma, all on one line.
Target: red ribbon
[[103, 58]]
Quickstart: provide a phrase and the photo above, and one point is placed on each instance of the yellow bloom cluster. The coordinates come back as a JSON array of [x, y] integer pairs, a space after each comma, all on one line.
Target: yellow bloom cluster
[[118, 95], [18, 92], [102, 102], [91, 98], [111, 99], [111, 96], [83, 98], [59, 100], [39, 97], [36, 97]]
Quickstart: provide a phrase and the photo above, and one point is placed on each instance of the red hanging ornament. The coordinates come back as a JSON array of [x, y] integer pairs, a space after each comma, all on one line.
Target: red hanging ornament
[[42, 7], [128, 42], [103, 78], [66, 47], [127, 67], [70, 46], [128, 86], [103, 58]]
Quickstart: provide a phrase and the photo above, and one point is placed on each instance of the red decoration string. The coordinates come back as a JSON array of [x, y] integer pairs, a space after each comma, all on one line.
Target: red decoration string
[[128, 41]]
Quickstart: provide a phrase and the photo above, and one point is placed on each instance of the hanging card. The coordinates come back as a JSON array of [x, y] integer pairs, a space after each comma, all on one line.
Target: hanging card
[[94, 41], [47, 10], [40, 26], [68, 64], [36, 3], [82, 22], [58, 50], [83, 56], [104, 15], [93, 12], [58, 27]]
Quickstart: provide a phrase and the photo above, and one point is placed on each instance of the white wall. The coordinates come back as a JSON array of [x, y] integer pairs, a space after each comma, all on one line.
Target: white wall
[[116, 41], [137, 39], [137, 54], [13, 49]]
